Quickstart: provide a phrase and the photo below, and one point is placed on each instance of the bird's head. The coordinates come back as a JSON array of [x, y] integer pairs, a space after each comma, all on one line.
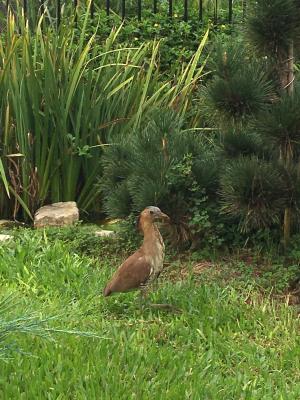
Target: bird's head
[[152, 214], [155, 214]]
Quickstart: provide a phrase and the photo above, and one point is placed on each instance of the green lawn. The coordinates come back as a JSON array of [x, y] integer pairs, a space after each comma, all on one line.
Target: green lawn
[[228, 342]]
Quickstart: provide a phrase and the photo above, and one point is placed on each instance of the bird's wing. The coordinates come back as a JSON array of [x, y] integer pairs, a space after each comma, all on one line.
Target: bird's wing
[[133, 273]]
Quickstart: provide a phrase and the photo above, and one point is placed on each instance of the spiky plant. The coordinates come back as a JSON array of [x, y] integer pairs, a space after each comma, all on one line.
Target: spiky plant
[[281, 127], [272, 25], [255, 191], [227, 57], [259, 123], [163, 165], [244, 143], [274, 30], [239, 91]]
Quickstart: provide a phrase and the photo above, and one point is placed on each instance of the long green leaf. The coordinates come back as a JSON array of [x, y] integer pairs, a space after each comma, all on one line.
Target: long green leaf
[[3, 178], [23, 204]]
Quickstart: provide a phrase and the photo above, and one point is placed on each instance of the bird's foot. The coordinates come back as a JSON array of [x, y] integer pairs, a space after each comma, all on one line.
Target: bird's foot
[[164, 306]]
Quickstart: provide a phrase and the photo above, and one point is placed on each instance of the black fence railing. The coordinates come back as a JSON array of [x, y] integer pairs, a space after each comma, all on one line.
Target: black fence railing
[[187, 8]]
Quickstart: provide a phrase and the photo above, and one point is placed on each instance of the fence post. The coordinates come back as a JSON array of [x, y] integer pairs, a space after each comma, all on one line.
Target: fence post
[[42, 9], [123, 11], [75, 11], [154, 6], [25, 8], [92, 9], [107, 7], [216, 12], [170, 8], [201, 10], [139, 9], [230, 12], [58, 15], [185, 16]]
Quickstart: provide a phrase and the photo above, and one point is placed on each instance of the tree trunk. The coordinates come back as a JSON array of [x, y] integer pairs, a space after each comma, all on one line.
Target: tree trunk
[[287, 226], [287, 82]]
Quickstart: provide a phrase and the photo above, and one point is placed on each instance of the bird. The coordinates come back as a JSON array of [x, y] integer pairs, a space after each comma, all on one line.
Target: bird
[[143, 267]]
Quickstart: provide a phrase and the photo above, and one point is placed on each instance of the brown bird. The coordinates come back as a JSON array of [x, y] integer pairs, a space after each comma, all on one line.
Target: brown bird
[[145, 265]]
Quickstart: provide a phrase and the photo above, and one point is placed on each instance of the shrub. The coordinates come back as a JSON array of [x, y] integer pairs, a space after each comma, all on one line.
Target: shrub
[[239, 90], [161, 165], [254, 191]]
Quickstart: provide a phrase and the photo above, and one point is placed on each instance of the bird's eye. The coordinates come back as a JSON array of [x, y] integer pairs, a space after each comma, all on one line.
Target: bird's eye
[[151, 212]]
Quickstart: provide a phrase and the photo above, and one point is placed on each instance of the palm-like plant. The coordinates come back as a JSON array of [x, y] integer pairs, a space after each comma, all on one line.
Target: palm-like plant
[[280, 126], [161, 165], [274, 31], [260, 124], [239, 91], [272, 25], [244, 143], [255, 191]]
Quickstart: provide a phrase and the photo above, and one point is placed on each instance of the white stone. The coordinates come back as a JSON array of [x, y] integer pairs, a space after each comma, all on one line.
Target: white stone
[[56, 214], [4, 238], [5, 222], [8, 223], [105, 233]]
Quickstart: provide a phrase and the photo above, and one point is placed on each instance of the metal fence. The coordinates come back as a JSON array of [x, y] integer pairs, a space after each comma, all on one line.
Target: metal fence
[[197, 7]]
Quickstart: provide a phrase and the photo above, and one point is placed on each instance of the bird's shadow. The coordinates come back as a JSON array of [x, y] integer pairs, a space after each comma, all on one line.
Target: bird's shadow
[[120, 308]]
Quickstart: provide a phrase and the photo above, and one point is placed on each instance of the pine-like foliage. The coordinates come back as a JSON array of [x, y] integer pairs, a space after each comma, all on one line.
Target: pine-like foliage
[[244, 143], [239, 91], [280, 126], [260, 127], [159, 165], [227, 58], [116, 168], [255, 191], [273, 24]]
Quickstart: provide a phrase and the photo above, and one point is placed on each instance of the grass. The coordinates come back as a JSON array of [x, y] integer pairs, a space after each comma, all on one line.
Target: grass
[[221, 345]]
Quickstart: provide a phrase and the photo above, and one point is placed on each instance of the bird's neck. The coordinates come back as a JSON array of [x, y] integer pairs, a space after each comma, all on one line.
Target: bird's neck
[[152, 238]]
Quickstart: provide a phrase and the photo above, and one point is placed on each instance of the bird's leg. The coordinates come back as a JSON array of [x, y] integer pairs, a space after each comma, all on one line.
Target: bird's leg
[[155, 285], [164, 306], [141, 300], [143, 296]]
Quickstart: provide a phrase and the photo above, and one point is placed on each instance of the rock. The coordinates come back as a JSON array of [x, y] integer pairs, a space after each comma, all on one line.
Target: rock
[[6, 223], [105, 233], [56, 214], [113, 221], [4, 238]]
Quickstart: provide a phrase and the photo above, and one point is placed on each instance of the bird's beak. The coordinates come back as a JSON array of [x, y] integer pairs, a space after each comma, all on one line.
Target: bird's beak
[[164, 217]]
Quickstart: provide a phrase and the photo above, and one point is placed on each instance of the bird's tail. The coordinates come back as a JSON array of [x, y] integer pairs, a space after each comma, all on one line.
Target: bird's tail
[[107, 291]]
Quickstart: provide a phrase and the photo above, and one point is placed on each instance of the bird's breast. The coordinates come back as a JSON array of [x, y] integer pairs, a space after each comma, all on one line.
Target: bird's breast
[[156, 257]]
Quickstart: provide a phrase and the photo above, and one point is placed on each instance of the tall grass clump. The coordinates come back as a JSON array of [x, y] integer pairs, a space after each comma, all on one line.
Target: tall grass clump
[[63, 97]]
